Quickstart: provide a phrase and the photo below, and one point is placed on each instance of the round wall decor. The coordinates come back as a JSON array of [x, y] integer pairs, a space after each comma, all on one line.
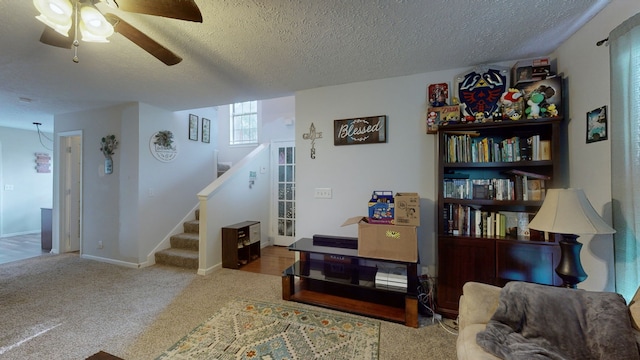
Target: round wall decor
[[163, 147]]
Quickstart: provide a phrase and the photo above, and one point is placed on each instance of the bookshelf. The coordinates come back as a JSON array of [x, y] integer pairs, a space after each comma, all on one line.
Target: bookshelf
[[492, 177]]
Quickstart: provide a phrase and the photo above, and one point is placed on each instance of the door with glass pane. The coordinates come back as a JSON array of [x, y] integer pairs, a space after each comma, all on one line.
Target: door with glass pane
[[284, 169]]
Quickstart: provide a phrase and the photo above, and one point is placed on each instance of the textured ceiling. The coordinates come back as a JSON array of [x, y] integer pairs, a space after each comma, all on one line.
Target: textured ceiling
[[247, 50]]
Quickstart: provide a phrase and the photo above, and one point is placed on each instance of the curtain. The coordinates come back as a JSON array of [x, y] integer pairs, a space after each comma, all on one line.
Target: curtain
[[624, 51]]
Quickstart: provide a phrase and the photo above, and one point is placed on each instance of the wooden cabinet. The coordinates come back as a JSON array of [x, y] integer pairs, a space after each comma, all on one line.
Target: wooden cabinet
[[484, 175], [337, 278], [240, 244]]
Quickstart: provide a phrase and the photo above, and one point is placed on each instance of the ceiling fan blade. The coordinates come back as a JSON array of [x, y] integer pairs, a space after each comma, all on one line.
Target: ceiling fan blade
[[52, 37], [139, 38], [175, 9]]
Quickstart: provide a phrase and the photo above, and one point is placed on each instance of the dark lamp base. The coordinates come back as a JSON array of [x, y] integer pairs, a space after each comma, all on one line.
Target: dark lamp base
[[570, 269]]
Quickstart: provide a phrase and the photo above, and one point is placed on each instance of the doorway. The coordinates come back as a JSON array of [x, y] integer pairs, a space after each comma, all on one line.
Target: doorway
[[70, 198], [283, 162]]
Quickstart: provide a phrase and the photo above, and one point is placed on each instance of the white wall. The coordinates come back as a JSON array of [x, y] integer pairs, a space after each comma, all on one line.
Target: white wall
[[20, 207], [276, 119], [586, 67], [167, 190], [405, 163], [132, 209]]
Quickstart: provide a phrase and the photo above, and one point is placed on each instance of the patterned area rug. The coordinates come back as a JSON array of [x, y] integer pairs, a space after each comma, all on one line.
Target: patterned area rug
[[266, 331]]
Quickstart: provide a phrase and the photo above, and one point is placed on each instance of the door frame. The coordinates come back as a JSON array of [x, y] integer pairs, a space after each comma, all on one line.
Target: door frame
[[61, 211]]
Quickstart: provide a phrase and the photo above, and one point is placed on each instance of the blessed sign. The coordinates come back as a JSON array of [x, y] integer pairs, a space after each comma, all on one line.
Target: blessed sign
[[366, 130]]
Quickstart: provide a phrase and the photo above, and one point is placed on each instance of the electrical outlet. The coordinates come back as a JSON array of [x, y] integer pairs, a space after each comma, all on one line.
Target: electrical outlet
[[100, 244], [8, 188], [323, 193]]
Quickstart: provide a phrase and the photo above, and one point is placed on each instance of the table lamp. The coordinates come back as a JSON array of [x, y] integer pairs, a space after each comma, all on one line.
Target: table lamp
[[567, 212]]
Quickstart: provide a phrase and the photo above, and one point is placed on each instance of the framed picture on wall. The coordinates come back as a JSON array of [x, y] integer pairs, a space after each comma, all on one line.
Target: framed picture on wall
[[193, 127], [597, 125], [206, 130]]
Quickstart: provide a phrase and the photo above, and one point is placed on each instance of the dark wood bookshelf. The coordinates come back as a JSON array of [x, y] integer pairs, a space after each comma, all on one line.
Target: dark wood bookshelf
[[495, 259]]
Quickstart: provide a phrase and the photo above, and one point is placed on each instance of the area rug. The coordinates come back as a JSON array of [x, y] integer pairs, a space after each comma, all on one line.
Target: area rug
[[266, 331]]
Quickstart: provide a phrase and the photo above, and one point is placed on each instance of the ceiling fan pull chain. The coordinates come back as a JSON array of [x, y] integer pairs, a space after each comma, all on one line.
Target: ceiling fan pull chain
[[76, 43]]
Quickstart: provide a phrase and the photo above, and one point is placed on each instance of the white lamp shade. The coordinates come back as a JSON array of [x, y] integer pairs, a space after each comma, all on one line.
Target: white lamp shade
[[94, 27], [568, 211], [55, 14]]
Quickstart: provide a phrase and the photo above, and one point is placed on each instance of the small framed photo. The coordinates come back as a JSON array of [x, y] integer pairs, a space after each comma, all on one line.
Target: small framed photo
[[597, 125], [206, 130], [193, 127]]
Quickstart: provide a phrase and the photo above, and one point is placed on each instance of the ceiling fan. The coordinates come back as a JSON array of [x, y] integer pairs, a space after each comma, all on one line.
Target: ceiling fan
[[65, 16]]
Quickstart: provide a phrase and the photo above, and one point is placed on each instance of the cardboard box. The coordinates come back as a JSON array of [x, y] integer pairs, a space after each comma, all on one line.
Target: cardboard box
[[381, 207], [385, 241], [407, 209]]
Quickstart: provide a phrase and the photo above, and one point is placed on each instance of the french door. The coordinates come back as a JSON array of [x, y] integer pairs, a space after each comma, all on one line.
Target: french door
[[284, 194]]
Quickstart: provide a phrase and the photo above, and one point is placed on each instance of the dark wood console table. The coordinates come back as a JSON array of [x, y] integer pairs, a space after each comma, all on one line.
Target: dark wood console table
[[337, 278]]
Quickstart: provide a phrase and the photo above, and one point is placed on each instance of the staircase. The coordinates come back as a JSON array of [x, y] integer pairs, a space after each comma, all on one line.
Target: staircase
[[184, 247]]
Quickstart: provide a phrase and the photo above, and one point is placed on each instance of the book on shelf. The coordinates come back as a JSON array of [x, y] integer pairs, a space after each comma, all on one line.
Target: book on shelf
[[545, 150], [535, 189], [523, 226], [468, 148], [472, 221]]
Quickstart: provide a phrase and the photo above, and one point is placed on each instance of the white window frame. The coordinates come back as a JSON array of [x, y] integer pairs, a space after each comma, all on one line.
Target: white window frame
[[233, 141]]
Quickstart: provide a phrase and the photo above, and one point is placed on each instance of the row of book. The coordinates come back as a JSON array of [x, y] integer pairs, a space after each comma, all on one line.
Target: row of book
[[467, 148], [520, 188], [468, 221]]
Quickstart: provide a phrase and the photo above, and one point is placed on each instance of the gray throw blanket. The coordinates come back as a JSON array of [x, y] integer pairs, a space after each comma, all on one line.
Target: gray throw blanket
[[543, 322]]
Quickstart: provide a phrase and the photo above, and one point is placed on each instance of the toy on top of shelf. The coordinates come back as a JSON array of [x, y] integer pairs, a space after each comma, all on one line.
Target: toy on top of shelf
[[543, 97], [512, 104], [534, 110]]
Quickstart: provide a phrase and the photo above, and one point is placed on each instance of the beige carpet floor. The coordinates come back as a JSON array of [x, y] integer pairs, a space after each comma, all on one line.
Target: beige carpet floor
[[66, 307]]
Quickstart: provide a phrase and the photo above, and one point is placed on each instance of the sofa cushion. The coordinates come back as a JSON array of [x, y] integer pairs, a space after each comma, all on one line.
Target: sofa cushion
[[478, 303]]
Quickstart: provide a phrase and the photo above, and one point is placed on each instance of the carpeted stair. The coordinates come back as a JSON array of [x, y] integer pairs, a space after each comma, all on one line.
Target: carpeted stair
[[184, 247]]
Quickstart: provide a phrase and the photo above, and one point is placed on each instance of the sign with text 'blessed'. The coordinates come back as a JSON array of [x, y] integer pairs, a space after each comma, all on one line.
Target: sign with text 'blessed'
[[365, 130]]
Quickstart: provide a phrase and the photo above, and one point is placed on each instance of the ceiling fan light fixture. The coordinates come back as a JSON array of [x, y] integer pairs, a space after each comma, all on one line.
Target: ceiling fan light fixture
[[56, 14], [93, 25]]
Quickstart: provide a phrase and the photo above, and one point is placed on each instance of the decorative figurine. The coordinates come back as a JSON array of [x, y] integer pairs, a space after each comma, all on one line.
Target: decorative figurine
[[512, 104]]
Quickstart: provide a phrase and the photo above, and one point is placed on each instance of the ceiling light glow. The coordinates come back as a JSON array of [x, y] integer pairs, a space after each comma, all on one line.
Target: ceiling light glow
[[56, 14], [94, 27]]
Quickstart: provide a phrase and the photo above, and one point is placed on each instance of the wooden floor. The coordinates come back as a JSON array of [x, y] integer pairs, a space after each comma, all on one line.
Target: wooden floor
[[273, 260], [20, 247]]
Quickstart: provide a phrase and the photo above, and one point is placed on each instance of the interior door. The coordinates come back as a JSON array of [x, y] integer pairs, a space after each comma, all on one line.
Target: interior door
[[72, 190], [284, 194]]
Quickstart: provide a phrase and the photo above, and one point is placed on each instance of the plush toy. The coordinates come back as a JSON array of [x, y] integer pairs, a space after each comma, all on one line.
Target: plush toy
[[534, 110], [512, 104], [552, 111]]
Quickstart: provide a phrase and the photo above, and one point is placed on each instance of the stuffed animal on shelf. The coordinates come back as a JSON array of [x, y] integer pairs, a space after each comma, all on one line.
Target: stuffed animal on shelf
[[534, 110], [512, 104]]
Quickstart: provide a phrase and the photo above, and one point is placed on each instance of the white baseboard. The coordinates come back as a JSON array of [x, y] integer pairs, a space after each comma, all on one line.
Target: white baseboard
[[210, 270], [111, 261]]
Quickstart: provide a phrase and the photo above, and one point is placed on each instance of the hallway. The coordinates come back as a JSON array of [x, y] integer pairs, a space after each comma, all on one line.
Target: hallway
[[20, 247]]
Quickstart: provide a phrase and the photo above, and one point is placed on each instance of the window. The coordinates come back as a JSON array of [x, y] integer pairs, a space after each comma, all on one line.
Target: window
[[243, 123]]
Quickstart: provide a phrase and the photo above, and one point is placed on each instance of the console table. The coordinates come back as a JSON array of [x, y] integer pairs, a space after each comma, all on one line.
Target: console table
[[337, 278]]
